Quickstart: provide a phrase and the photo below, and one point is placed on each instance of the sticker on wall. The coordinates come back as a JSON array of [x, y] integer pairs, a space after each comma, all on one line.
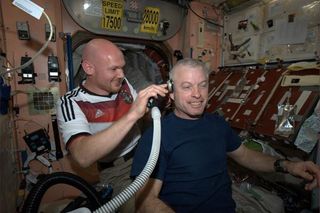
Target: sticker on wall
[[112, 12], [151, 18]]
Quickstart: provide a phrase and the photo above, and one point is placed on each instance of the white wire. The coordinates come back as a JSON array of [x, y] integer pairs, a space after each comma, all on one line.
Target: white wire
[[37, 54]]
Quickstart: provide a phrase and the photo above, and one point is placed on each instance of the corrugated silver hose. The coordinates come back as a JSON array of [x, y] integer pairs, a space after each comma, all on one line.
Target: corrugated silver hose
[[126, 194]]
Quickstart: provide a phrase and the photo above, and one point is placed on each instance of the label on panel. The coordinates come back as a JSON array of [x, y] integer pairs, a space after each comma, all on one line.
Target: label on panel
[[112, 12], [150, 20]]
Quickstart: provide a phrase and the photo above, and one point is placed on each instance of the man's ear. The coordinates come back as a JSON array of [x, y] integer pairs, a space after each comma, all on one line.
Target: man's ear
[[171, 95], [87, 67]]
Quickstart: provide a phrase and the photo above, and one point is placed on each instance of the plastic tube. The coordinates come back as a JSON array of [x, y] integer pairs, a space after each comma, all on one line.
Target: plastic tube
[[37, 54], [126, 194]]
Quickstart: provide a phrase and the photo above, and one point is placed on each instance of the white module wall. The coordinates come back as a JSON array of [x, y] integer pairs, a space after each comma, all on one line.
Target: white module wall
[[242, 35], [281, 29]]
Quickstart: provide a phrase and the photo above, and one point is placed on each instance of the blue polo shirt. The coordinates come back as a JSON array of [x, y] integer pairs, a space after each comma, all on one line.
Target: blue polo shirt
[[192, 163]]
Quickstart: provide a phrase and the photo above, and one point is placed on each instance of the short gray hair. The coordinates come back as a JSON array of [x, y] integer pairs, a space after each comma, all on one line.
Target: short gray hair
[[190, 62]]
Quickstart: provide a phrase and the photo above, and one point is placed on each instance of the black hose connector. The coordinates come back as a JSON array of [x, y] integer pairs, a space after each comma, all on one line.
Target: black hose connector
[[33, 200]]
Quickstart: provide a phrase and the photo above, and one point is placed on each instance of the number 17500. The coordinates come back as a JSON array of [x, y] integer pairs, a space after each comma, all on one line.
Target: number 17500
[[111, 22]]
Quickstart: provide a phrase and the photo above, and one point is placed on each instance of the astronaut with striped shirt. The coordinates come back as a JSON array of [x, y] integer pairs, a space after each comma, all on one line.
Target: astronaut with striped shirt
[[97, 120]]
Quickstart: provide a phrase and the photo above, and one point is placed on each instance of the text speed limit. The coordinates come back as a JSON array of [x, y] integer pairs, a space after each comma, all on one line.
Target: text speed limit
[[112, 14]]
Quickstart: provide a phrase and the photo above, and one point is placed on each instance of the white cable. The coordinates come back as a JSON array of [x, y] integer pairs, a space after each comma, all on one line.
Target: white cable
[[37, 54], [127, 193], [45, 162], [30, 158]]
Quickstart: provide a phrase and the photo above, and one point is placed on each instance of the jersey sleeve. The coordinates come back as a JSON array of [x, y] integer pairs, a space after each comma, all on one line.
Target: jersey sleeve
[[71, 120]]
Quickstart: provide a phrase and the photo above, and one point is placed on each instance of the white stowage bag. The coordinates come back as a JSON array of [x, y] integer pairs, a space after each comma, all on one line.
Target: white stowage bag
[[309, 132], [251, 199]]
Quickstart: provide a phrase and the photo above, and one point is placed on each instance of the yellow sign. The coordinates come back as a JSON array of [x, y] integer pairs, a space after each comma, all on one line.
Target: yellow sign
[[151, 18], [112, 11]]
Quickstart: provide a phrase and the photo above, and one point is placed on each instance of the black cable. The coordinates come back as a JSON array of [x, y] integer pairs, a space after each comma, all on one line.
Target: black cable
[[59, 153], [218, 25]]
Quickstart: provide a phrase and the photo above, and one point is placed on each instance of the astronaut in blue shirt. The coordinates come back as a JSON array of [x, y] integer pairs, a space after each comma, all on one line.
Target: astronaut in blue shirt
[[191, 173]]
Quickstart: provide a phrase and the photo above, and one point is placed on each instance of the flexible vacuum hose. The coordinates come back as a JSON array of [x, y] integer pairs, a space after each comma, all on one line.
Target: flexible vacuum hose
[[33, 200], [126, 194]]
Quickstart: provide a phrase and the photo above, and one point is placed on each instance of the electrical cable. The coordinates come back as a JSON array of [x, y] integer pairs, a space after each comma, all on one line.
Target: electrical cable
[[37, 54], [28, 121], [211, 22]]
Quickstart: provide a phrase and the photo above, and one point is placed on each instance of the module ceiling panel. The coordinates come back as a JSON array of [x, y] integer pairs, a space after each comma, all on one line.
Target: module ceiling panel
[[152, 20], [231, 4]]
